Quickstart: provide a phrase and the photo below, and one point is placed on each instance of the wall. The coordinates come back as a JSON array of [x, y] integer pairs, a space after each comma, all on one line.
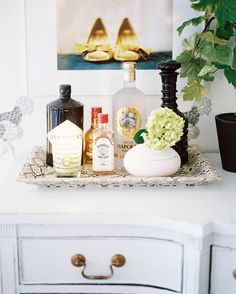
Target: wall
[[12, 63], [16, 80], [12, 52]]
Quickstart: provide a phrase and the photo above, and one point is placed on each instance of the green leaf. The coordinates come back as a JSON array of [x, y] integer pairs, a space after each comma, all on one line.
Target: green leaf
[[206, 69], [226, 12], [138, 136], [224, 54], [202, 5], [234, 58], [190, 43], [220, 54], [231, 76], [184, 57], [191, 69], [208, 78], [210, 37], [190, 66], [208, 53], [221, 66], [225, 33], [194, 21], [194, 90], [202, 44]]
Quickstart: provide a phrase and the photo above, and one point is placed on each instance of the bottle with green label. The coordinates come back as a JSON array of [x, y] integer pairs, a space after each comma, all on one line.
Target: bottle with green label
[[129, 113]]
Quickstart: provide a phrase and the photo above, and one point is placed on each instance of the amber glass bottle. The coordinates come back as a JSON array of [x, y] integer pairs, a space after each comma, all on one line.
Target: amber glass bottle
[[88, 152], [64, 108]]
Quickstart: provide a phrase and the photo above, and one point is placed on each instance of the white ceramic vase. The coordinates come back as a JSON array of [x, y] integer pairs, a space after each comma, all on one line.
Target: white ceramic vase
[[142, 161]]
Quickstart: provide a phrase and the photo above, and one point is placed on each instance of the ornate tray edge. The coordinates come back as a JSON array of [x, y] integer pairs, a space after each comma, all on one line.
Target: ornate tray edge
[[127, 181]]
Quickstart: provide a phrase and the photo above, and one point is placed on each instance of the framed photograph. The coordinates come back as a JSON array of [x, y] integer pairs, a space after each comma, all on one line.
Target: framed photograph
[[84, 43], [112, 32]]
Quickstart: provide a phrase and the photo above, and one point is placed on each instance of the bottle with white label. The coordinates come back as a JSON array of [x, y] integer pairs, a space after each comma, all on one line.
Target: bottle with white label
[[129, 113], [103, 146]]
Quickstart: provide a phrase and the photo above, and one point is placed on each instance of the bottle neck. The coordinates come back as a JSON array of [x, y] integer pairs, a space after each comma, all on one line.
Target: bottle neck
[[169, 90], [129, 84], [102, 125], [65, 98], [94, 122]]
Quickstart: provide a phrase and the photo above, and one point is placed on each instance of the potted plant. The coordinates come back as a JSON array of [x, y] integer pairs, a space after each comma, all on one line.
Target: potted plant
[[205, 53]]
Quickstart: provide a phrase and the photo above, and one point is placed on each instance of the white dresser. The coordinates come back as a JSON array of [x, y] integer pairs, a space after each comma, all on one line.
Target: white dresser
[[156, 240]]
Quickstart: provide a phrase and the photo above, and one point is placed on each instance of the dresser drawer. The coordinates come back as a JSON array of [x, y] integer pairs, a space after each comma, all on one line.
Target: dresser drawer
[[151, 262], [222, 270]]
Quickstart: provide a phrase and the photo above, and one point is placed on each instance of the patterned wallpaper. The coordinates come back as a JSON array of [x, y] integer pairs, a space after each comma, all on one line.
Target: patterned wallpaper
[[10, 124]]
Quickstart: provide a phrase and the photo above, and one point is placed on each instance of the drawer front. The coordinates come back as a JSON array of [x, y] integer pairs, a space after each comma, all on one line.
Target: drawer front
[[223, 266], [150, 262]]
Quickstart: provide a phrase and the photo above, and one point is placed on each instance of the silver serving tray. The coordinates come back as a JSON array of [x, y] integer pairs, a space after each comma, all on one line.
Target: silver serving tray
[[199, 170]]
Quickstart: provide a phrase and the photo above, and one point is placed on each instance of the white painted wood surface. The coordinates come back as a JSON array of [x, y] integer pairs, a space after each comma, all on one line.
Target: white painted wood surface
[[93, 289], [8, 260], [223, 265], [149, 261]]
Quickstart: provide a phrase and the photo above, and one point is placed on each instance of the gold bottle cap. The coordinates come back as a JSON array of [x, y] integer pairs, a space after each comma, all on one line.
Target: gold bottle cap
[[129, 71]]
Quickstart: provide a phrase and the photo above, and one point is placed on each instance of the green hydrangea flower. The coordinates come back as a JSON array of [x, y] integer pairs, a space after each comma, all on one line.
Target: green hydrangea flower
[[164, 127]]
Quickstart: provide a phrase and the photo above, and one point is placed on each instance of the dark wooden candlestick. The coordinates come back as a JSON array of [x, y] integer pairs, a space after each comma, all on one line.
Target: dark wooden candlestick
[[169, 78]]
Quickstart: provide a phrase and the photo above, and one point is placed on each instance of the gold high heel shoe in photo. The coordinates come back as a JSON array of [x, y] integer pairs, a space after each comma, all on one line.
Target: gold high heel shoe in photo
[[127, 46], [97, 48]]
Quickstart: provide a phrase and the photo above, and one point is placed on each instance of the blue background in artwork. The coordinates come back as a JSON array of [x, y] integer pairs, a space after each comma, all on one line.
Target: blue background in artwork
[[76, 62]]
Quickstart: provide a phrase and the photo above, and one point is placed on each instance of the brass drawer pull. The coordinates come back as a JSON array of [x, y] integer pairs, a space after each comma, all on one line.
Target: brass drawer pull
[[79, 260]]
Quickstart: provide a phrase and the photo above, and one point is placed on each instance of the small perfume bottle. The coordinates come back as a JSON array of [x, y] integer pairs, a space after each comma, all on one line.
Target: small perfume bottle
[[88, 152], [103, 146], [60, 110]]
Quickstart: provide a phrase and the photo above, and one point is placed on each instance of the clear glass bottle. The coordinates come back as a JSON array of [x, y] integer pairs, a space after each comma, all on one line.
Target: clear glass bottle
[[129, 113], [88, 150], [103, 146]]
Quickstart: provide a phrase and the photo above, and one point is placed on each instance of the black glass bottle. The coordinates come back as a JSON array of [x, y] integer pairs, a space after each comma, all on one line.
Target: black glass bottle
[[169, 78], [64, 108]]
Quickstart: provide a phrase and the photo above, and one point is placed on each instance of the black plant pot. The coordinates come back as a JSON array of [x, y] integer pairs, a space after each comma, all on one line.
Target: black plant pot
[[226, 130]]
